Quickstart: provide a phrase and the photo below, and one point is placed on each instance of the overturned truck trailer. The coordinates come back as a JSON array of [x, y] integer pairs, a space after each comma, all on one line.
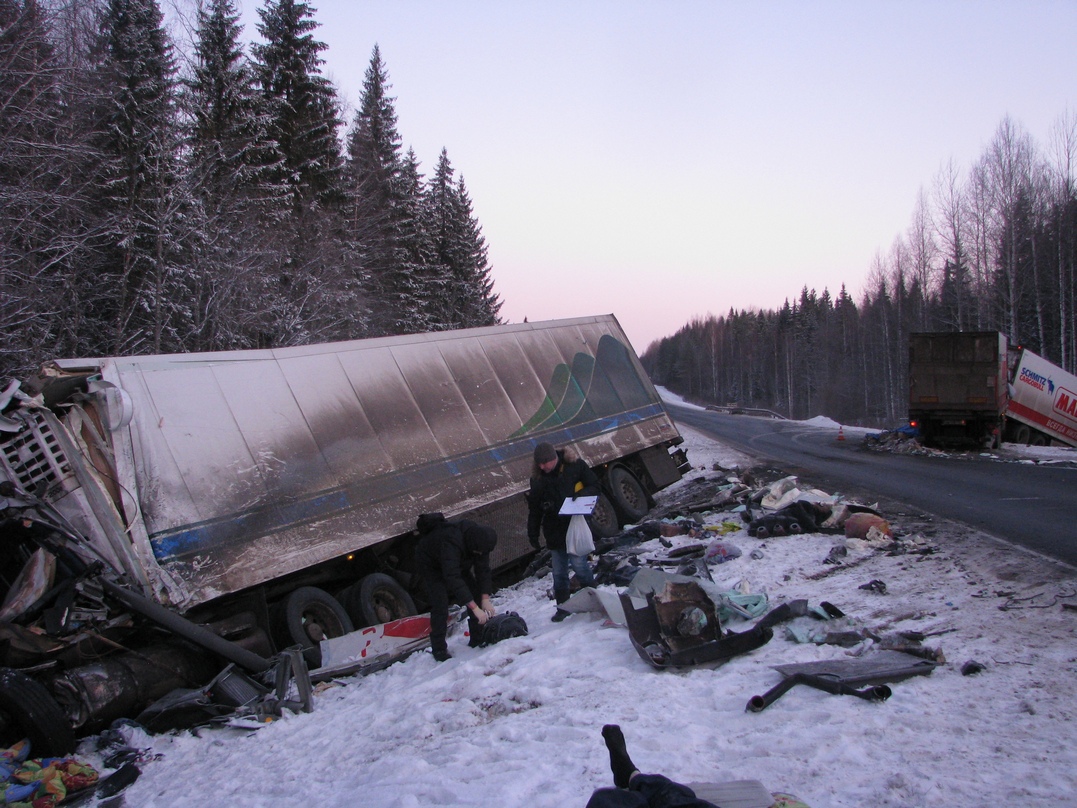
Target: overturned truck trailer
[[269, 496]]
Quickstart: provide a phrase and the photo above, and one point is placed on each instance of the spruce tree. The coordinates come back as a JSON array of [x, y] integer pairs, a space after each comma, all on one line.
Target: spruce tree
[[384, 210], [230, 145], [460, 251], [138, 137], [440, 280], [307, 294], [417, 245], [479, 303], [302, 103], [232, 163], [31, 183]]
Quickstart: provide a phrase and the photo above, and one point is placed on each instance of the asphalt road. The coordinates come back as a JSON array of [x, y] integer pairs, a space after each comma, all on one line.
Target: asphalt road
[[1031, 505]]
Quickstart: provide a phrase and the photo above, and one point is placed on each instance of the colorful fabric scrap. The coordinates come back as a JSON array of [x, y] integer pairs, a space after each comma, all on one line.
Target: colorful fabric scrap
[[41, 783]]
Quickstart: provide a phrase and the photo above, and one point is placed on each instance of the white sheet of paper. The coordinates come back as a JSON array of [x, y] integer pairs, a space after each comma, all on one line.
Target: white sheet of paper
[[582, 505]]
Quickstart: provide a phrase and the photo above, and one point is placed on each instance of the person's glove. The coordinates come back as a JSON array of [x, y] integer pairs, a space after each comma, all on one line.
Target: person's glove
[[488, 607], [480, 615], [535, 542]]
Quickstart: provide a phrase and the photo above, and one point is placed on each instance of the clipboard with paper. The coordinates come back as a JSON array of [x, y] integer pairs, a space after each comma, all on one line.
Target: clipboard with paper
[[579, 505]]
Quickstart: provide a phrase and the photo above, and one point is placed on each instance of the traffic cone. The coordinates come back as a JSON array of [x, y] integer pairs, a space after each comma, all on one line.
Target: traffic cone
[[841, 433]]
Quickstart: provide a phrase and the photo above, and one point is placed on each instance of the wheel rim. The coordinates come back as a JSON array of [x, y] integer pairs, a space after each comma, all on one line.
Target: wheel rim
[[319, 622], [629, 494], [604, 518], [387, 606]]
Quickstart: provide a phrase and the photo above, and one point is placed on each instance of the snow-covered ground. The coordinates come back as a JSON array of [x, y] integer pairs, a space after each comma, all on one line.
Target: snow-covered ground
[[517, 724]]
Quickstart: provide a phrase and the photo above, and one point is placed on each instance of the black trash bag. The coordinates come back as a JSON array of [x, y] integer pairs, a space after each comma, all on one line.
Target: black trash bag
[[501, 627]]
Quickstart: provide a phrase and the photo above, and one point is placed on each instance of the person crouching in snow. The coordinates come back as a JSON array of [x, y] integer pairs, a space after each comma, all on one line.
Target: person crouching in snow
[[453, 560], [555, 476]]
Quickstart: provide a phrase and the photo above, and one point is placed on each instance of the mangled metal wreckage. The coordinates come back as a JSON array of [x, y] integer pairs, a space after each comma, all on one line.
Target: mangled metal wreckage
[[163, 514]]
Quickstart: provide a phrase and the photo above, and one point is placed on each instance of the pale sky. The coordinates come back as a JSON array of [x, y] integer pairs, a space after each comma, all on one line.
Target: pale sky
[[666, 160]]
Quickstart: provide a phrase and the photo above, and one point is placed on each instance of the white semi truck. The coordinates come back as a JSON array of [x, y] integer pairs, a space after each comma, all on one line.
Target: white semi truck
[[254, 500]]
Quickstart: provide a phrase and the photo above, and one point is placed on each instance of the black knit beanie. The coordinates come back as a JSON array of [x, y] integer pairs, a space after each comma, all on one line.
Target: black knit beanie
[[544, 453]]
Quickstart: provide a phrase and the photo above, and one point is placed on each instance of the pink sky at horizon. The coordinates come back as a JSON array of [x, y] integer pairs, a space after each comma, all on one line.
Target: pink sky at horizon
[[663, 161]]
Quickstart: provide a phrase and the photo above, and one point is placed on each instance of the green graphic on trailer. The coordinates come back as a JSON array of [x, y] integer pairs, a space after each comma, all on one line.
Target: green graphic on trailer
[[606, 384]]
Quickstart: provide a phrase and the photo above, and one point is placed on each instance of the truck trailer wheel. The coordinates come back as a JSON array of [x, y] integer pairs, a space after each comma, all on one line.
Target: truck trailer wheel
[[28, 710], [1037, 439], [1021, 435], [378, 598], [628, 494], [310, 615], [604, 522]]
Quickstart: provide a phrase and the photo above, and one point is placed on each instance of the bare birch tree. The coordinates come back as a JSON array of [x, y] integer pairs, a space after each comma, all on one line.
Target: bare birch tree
[[1063, 157], [1009, 166], [949, 219]]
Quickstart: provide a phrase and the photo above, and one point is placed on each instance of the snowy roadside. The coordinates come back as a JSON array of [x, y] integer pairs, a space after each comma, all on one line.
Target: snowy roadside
[[517, 724]]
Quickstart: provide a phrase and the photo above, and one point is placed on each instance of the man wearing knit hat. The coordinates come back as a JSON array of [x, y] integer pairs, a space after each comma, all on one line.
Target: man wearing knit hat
[[556, 476]]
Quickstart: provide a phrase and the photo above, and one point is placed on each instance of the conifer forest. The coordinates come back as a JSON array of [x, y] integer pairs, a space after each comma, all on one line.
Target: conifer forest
[[990, 248], [153, 201], [158, 199]]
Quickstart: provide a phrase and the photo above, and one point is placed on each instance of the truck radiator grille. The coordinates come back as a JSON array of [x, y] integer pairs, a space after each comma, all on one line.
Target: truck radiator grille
[[33, 457]]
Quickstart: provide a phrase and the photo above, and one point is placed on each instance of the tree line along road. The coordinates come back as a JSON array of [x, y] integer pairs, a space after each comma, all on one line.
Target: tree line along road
[[1034, 506]]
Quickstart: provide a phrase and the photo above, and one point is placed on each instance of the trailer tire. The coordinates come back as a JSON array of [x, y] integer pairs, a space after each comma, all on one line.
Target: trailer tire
[[1021, 435], [379, 598], [1037, 439], [604, 522], [307, 615], [628, 494], [28, 710]]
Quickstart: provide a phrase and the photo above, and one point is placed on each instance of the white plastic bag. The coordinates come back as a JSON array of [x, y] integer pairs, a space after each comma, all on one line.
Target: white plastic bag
[[579, 541]]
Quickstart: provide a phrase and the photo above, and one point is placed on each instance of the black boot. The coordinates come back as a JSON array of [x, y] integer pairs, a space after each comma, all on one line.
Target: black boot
[[442, 654], [620, 763], [560, 595]]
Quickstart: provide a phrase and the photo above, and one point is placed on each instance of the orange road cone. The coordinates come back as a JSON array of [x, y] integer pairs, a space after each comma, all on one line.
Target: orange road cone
[[841, 433]]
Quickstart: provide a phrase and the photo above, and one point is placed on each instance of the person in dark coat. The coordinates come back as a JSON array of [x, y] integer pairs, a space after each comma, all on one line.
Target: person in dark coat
[[555, 476], [453, 560]]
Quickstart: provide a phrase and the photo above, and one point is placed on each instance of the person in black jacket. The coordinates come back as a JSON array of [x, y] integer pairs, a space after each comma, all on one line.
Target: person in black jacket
[[555, 476], [453, 560]]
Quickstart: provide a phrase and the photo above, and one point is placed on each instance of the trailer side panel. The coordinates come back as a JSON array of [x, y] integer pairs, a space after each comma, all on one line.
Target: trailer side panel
[[1045, 397], [250, 466]]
